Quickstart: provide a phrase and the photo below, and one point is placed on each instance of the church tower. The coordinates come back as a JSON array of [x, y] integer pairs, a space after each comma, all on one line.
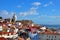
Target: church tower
[[14, 19]]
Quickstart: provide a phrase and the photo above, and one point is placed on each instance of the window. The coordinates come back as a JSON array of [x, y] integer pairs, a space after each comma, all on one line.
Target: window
[[49, 36], [47, 39], [52, 36], [51, 39], [55, 36]]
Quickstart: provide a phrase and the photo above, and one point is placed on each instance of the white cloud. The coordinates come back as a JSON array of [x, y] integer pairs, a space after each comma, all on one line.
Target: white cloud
[[42, 16], [54, 16], [31, 11], [6, 14], [34, 8], [36, 3], [48, 4], [47, 16]]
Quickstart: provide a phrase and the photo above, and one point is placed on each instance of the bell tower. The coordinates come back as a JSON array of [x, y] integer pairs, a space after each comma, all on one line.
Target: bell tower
[[14, 18]]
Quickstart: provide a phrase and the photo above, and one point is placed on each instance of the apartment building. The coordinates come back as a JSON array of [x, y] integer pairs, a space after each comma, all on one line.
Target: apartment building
[[49, 35]]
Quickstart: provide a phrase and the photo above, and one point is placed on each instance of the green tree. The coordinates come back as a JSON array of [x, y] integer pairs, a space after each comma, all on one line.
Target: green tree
[[0, 17]]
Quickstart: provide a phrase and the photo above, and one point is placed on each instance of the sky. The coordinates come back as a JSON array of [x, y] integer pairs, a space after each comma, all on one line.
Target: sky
[[39, 11]]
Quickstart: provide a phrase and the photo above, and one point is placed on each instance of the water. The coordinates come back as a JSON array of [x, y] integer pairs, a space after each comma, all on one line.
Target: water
[[52, 26]]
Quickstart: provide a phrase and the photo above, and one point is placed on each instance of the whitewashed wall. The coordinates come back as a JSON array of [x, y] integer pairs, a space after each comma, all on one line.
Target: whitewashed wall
[[49, 37]]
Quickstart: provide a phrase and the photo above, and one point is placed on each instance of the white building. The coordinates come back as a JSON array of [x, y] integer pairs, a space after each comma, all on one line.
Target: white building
[[1, 28], [49, 36], [14, 17]]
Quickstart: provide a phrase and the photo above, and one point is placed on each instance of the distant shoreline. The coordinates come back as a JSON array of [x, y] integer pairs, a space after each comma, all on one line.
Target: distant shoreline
[[51, 26]]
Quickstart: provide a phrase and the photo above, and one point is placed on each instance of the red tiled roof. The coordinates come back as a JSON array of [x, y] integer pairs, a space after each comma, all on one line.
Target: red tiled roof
[[2, 38], [6, 33], [50, 33]]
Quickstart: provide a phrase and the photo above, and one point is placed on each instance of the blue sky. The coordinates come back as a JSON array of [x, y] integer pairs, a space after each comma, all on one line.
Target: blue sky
[[40, 11]]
